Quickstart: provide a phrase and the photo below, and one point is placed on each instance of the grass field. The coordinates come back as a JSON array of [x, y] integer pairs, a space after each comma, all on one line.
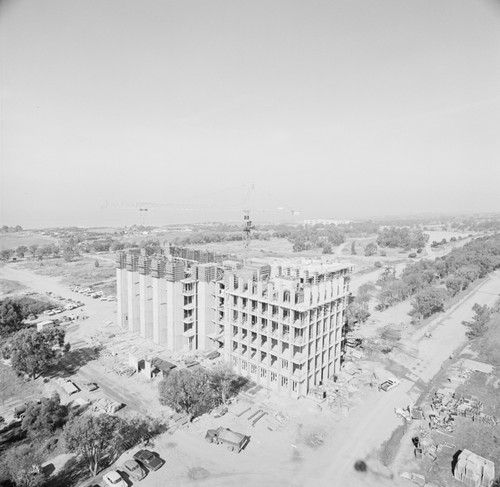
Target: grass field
[[81, 272], [13, 387], [10, 287], [276, 247], [14, 240]]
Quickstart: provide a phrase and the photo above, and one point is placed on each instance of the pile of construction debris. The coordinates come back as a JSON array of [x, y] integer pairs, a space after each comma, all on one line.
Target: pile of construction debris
[[447, 404]]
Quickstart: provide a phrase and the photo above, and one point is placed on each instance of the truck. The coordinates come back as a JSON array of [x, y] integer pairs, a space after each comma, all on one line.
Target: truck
[[389, 384], [231, 439]]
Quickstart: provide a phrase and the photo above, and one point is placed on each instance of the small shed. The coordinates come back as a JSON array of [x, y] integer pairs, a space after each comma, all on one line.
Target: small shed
[[163, 365], [40, 326]]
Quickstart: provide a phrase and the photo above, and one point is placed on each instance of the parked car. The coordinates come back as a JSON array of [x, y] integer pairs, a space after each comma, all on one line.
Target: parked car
[[114, 479], [389, 384], [134, 469], [149, 459]]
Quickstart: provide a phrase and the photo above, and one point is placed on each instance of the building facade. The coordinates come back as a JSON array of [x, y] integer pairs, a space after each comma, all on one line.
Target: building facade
[[281, 325]]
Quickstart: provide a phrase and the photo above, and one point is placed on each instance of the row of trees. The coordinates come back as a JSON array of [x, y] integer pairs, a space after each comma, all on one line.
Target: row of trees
[[402, 237], [101, 439], [97, 439], [431, 282], [67, 251], [7, 229], [357, 309], [199, 238], [317, 237], [480, 322]]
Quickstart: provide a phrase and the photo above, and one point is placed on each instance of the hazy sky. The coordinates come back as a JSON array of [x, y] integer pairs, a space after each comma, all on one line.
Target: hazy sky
[[338, 108]]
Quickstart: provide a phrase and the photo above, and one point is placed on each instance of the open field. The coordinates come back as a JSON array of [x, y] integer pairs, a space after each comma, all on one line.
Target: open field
[[14, 390], [10, 287], [14, 240], [81, 272], [276, 247]]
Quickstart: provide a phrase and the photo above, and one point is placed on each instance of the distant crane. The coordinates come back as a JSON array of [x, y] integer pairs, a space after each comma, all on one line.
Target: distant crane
[[144, 208]]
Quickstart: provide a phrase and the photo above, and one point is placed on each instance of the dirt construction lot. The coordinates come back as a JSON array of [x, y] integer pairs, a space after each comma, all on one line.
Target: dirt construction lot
[[296, 443]]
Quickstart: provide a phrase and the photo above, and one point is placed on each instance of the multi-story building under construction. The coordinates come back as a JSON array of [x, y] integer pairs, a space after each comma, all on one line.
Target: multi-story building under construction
[[281, 325]]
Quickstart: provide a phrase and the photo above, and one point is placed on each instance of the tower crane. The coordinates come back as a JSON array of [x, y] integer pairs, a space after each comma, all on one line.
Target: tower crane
[[248, 208]]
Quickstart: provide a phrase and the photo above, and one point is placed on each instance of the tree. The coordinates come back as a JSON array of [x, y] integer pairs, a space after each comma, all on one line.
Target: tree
[[188, 391], [131, 431], [33, 249], [23, 466], [116, 246], [32, 351], [357, 312], [40, 253], [469, 272], [371, 249], [46, 417], [428, 301], [225, 382], [327, 248], [93, 437], [69, 254], [299, 246], [21, 251], [18, 228], [455, 284], [480, 321], [393, 291], [6, 254], [11, 317]]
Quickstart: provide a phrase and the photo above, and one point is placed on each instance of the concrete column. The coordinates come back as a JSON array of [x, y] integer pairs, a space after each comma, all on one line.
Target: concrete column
[[146, 306], [205, 314], [171, 334], [159, 308], [121, 298], [133, 301]]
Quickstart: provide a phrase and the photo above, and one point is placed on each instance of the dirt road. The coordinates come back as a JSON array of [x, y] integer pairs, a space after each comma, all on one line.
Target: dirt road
[[271, 458], [372, 424], [139, 396]]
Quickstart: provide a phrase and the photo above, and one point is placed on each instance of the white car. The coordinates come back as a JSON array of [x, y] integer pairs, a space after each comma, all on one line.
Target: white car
[[114, 479]]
